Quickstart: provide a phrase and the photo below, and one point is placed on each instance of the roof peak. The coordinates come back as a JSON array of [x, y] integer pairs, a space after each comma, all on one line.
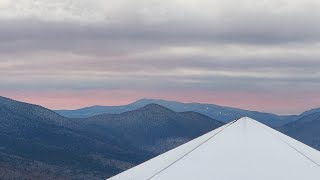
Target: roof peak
[[246, 119], [243, 143]]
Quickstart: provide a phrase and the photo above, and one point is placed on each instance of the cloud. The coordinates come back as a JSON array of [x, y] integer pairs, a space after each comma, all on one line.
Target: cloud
[[172, 45]]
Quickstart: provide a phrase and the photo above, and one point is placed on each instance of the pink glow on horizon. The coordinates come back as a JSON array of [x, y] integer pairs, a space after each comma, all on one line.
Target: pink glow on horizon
[[266, 102]]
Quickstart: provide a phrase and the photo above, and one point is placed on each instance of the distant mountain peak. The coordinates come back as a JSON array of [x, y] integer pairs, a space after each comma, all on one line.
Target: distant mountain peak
[[155, 108], [153, 105]]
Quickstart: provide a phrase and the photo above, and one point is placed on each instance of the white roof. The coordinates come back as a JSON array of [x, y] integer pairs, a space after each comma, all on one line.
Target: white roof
[[243, 149]]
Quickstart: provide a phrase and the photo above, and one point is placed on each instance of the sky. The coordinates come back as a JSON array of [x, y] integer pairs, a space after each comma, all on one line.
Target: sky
[[66, 54]]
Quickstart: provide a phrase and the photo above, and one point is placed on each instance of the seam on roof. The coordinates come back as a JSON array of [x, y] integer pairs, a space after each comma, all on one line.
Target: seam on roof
[[301, 153], [186, 154]]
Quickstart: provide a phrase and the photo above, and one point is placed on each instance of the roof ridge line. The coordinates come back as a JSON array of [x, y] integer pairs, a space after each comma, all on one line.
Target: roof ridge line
[[288, 144], [227, 125]]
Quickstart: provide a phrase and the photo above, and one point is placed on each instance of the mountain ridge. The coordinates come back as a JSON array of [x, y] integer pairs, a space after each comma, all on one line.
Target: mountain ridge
[[31, 137], [92, 148], [306, 129], [151, 124], [221, 113]]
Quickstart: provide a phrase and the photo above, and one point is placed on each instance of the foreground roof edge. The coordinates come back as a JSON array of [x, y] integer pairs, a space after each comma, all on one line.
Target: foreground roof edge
[[164, 161]]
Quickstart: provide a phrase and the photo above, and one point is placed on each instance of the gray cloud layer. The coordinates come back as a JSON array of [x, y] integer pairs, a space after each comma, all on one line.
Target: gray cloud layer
[[212, 45]]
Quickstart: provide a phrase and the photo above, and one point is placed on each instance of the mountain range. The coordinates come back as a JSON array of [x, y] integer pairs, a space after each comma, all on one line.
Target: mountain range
[[33, 137], [37, 143], [152, 128], [304, 127], [221, 113]]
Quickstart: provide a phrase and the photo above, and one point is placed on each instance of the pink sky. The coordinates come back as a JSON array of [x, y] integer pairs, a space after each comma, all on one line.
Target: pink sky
[[109, 53]]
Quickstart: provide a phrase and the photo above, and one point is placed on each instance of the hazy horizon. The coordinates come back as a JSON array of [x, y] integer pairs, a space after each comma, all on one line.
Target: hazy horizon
[[133, 101]]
